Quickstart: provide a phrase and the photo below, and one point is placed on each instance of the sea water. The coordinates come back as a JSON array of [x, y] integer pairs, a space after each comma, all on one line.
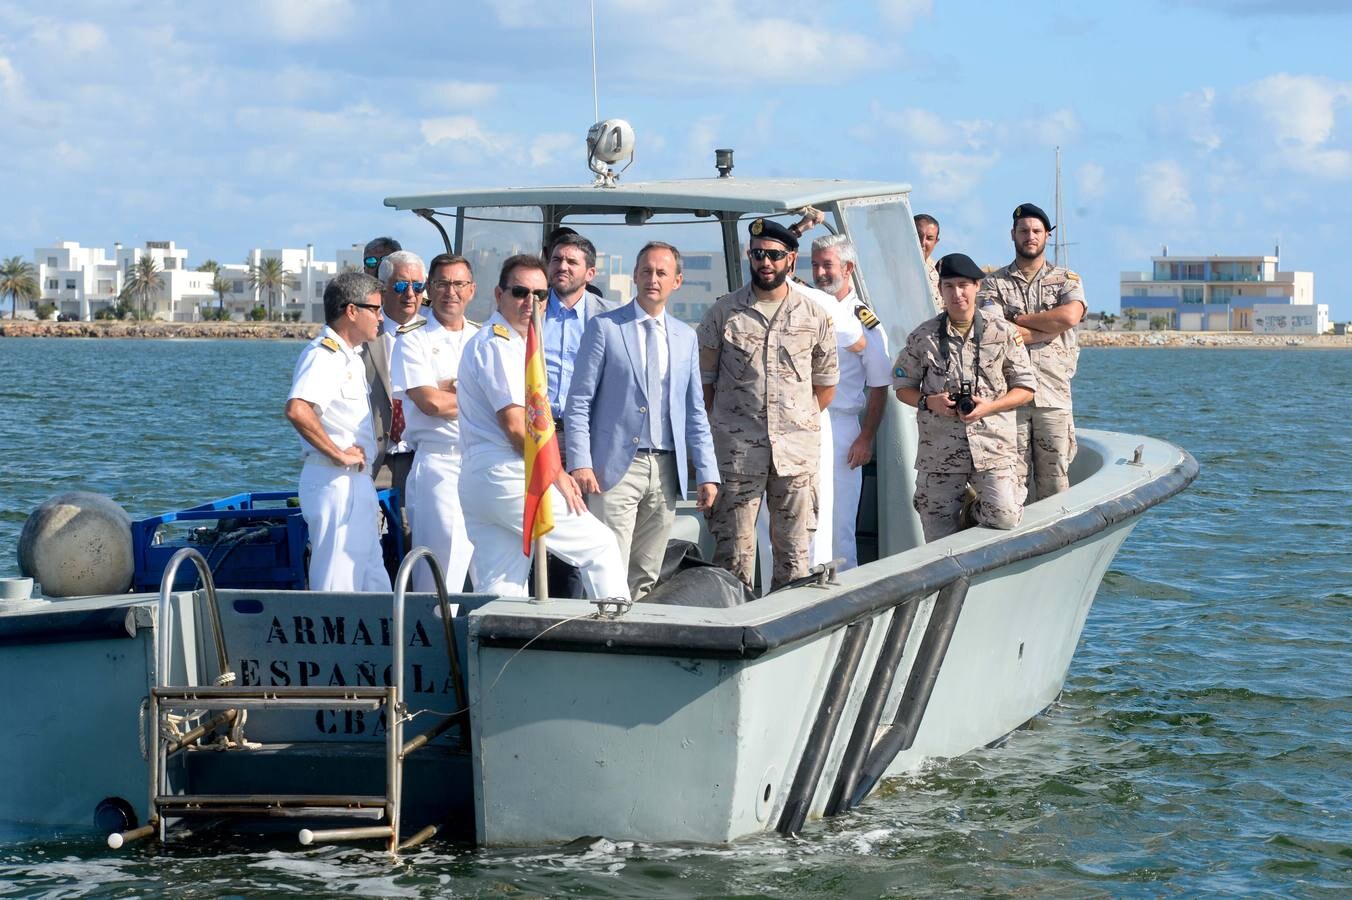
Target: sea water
[[1203, 743]]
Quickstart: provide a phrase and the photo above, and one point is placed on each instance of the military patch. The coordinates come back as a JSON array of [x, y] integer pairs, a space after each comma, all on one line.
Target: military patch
[[412, 325], [1072, 276], [899, 372], [757, 227], [1018, 338], [866, 317], [330, 345], [501, 331]]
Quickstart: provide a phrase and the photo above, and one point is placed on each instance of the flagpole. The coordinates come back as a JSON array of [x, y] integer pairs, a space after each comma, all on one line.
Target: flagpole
[[541, 556]]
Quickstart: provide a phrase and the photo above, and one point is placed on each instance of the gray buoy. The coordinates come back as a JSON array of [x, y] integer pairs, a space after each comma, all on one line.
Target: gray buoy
[[76, 544]]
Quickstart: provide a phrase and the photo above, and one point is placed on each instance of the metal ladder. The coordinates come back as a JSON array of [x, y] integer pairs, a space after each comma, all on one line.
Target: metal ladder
[[231, 702]]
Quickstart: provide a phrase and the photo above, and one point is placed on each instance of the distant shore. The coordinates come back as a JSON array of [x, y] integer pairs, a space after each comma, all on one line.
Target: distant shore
[[1217, 339], [303, 331]]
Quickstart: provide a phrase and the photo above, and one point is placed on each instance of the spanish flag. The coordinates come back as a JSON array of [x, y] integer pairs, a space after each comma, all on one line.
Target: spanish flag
[[542, 443]]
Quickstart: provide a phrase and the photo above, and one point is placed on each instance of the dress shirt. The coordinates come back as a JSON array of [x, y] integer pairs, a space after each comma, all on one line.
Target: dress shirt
[[659, 406], [563, 333]]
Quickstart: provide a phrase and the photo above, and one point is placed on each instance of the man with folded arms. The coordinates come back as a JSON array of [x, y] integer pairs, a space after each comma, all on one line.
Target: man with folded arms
[[423, 374], [636, 415]]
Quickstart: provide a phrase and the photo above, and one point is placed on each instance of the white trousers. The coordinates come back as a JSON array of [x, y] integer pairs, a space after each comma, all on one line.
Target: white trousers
[[822, 542], [845, 430], [493, 497], [433, 507], [343, 516]]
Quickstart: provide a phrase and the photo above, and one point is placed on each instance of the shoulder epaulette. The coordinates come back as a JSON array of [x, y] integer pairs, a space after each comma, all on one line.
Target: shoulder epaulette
[[866, 317], [412, 325], [801, 281], [330, 345], [501, 331], [1072, 276]]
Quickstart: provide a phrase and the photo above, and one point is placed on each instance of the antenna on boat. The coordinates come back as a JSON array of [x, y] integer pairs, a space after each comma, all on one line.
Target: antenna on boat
[[1059, 247], [596, 97]]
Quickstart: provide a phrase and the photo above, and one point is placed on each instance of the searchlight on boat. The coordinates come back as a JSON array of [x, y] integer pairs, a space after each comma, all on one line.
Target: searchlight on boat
[[608, 142]]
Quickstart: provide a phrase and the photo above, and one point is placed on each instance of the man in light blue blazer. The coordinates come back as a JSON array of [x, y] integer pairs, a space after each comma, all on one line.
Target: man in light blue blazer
[[636, 418]]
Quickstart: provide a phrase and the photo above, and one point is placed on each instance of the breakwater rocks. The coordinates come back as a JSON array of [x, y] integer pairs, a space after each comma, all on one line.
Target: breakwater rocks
[[302, 331], [1209, 339]]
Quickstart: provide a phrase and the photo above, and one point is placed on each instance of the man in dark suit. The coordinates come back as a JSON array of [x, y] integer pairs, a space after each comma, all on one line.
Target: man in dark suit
[[636, 416]]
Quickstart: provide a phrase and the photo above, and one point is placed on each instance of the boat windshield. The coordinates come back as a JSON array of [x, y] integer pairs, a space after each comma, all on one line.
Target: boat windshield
[[891, 269], [492, 234]]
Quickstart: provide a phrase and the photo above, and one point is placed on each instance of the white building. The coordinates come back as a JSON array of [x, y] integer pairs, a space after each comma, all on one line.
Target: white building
[[1290, 318], [1210, 293], [81, 281]]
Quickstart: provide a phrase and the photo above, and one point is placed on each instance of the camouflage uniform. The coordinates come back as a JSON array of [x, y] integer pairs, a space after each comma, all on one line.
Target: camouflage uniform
[[765, 425], [932, 270], [952, 454], [1046, 426]]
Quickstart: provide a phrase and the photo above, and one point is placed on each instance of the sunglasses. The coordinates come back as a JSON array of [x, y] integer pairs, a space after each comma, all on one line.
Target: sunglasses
[[521, 292], [372, 261], [759, 254], [373, 307], [401, 286]]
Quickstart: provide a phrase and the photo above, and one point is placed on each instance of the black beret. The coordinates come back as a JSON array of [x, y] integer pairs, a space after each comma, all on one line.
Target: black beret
[[773, 231], [959, 265], [1029, 211]]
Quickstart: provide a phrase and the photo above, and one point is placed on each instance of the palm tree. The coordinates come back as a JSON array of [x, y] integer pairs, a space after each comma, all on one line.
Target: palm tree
[[221, 287], [271, 276], [143, 282], [209, 265], [19, 279]]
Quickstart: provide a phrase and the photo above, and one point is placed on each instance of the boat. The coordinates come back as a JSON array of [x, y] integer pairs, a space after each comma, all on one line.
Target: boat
[[509, 722]]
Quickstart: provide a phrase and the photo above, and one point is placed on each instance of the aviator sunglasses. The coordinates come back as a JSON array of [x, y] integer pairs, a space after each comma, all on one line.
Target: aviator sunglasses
[[372, 261], [401, 286], [758, 254], [521, 292]]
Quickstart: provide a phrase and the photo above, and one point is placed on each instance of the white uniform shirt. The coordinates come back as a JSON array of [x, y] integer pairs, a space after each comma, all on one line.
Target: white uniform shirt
[[658, 406], [427, 357], [389, 333], [860, 371], [331, 375], [492, 377]]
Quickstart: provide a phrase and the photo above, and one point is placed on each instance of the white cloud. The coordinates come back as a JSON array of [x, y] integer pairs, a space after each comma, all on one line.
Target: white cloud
[[1058, 127], [456, 129], [1300, 112], [459, 94], [950, 176], [920, 127], [302, 21], [11, 82], [1090, 183], [1164, 193], [547, 147], [1192, 118], [903, 13]]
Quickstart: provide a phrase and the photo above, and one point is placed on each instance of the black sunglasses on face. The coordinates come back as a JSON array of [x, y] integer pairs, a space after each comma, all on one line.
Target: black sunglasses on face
[[373, 307], [521, 292], [759, 254]]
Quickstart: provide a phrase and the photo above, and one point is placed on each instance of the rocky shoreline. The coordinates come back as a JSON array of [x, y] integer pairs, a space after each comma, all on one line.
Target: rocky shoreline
[[1226, 340], [303, 331]]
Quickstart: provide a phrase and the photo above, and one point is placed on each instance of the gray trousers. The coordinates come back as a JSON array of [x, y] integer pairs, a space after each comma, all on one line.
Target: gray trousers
[[640, 510]]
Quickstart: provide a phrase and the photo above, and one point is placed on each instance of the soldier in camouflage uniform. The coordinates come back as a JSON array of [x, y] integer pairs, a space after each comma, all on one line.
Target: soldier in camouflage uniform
[[961, 345], [768, 363], [1045, 303]]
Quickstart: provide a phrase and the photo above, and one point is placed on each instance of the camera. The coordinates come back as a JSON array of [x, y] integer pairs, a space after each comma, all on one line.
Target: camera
[[963, 398]]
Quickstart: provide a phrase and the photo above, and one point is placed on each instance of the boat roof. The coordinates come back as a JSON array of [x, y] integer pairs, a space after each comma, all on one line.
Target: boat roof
[[763, 195]]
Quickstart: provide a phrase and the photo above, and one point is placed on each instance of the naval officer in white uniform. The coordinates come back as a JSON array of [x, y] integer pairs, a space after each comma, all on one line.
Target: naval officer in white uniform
[[331, 411], [492, 394], [423, 374], [865, 377]]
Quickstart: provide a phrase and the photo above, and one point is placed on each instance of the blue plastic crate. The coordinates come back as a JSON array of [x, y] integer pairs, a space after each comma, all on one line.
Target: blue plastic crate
[[250, 540]]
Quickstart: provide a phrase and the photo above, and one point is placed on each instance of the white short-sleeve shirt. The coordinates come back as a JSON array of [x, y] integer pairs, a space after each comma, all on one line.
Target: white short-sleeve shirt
[[427, 356], [859, 371], [492, 377], [331, 376]]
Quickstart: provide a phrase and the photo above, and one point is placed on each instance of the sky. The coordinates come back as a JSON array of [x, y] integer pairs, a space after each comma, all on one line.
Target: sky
[[1210, 126]]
